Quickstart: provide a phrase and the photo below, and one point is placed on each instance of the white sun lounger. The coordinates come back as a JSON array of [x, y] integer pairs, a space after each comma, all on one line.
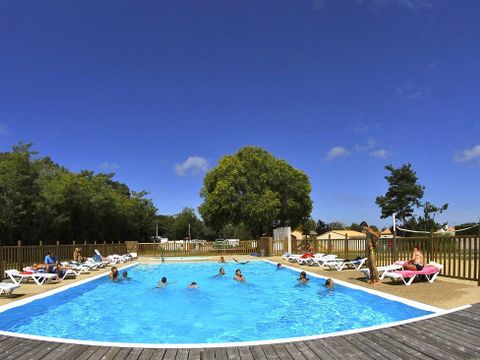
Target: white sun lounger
[[39, 278], [309, 260], [430, 272], [7, 288], [325, 259], [345, 264], [382, 269]]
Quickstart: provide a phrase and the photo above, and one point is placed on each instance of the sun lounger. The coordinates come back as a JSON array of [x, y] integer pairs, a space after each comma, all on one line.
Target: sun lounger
[[39, 278], [7, 288], [345, 264], [430, 272], [382, 269], [324, 259], [309, 260]]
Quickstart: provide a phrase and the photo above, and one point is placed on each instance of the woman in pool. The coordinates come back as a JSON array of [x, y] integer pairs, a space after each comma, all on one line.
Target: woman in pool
[[113, 273], [238, 276], [416, 260], [303, 278]]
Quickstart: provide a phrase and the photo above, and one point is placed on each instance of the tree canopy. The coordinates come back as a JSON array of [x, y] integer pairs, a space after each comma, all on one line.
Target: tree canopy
[[41, 200], [404, 193], [403, 196], [257, 190]]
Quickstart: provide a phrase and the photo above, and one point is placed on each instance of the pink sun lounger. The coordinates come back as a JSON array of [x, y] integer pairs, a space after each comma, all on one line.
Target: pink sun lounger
[[430, 271]]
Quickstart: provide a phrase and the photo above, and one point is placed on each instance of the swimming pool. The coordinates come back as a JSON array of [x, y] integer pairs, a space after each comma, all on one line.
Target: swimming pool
[[270, 305]]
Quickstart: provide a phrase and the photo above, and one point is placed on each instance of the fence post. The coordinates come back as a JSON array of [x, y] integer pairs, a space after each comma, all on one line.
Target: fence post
[[395, 254], [19, 255], [57, 250], [346, 247], [329, 243], [432, 251]]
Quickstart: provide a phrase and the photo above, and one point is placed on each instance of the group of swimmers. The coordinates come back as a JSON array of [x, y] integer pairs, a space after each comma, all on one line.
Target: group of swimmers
[[113, 275], [329, 284]]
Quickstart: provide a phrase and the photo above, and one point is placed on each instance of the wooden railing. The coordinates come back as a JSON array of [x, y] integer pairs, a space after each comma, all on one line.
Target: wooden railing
[[17, 257], [178, 248]]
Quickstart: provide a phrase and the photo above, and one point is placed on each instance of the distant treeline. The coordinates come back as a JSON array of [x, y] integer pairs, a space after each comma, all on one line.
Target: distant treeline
[[43, 201]]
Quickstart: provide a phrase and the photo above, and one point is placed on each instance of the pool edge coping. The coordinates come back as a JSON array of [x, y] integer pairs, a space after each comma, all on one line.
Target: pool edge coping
[[436, 312]]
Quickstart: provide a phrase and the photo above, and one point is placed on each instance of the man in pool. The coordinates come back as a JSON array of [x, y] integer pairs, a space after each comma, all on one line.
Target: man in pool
[[221, 272], [303, 278], [221, 260], [238, 276], [279, 266], [193, 285], [125, 275], [329, 284], [162, 283]]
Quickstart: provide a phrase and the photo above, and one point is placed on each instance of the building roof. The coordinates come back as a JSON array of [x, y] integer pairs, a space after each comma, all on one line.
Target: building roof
[[386, 231], [349, 233]]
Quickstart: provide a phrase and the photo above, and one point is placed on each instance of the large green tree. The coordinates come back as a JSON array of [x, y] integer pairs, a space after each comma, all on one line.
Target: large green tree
[[41, 200], [257, 190], [403, 194]]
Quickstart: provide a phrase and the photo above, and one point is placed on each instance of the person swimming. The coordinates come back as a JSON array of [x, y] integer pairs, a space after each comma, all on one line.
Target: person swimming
[[221, 272], [113, 273], [193, 285], [162, 283], [303, 278], [240, 262], [329, 284], [279, 266], [238, 276], [221, 260]]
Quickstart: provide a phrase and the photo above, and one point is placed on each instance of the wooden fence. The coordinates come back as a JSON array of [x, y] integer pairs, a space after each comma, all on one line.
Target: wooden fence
[[178, 248], [17, 257]]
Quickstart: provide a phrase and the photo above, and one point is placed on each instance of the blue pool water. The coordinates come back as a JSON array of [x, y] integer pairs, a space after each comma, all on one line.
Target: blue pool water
[[270, 305]]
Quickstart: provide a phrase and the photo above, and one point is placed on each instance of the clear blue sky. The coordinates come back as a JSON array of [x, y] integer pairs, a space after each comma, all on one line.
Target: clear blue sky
[[158, 91]]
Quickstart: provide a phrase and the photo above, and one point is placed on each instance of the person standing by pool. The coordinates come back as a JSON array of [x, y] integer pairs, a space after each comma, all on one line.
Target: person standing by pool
[[371, 247], [238, 276]]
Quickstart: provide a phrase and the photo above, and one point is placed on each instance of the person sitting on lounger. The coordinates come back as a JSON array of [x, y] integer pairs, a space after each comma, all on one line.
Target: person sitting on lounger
[[77, 255], [303, 278], [416, 261], [113, 273], [238, 276], [240, 262], [50, 262]]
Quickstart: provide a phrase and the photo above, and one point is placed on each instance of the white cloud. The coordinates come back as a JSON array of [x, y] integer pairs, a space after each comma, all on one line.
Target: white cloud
[[370, 145], [468, 154], [380, 153], [109, 165], [336, 152], [193, 165], [362, 128], [411, 91]]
